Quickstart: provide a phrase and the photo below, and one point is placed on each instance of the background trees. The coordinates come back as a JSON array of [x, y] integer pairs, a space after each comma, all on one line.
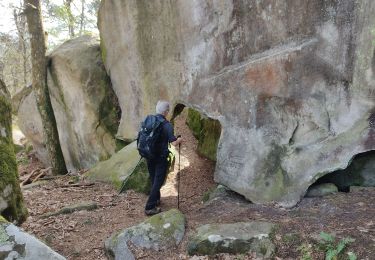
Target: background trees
[[63, 19]]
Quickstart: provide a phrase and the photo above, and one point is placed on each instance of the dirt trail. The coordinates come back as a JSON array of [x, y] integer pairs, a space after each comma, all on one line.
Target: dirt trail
[[81, 235]]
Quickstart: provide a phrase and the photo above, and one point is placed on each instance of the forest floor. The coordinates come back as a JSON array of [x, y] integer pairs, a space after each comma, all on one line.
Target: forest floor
[[81, 235]]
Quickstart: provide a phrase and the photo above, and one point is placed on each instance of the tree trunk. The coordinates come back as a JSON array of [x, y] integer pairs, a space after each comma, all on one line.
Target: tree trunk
[[82, 18], [20, 22], [39, 75], [67, 4], [12, 206]]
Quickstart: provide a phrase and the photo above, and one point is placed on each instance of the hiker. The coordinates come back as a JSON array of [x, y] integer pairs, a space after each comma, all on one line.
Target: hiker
[[158, 166]]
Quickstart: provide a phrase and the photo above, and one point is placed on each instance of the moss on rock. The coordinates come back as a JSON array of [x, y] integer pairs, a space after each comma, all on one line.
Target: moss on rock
[[207, 131], [209, 139], [161, 231], [139, 181], [3, 220], [119, 168], [11, 200], [194, 121]]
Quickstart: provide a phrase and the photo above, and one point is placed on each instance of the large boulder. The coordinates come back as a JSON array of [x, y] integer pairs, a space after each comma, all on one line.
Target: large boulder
[[235, 238], [83, 102], [12, 206], [291, 82], [16, 244], [123, 170], [159, 232], [30, 122]]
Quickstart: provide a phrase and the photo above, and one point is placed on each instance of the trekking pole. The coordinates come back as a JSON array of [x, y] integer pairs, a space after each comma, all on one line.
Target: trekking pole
[[178, 176]]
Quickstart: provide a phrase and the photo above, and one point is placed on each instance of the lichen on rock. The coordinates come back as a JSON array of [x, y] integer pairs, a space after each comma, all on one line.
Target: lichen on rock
[[161, 231], [236, 238]]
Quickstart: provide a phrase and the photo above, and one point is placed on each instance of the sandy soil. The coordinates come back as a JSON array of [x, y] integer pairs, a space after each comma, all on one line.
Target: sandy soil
[[81, 235]]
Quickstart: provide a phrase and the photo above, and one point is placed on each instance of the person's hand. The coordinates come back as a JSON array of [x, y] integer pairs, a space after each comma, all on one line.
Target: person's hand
[[178, 141]]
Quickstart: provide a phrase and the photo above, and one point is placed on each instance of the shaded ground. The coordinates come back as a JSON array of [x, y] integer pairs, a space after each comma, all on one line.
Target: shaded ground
[[81, 235]]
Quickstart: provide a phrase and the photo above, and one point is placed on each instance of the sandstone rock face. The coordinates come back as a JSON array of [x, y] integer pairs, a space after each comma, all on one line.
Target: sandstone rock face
[[16, 244], [291, 82], [30, 123], [83, 102], [84, 105]]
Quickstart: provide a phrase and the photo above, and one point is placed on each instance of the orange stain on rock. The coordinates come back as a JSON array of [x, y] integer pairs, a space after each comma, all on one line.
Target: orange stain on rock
[[267, 78]]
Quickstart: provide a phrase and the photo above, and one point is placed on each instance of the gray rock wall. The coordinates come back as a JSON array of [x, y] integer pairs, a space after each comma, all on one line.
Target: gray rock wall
[[291, 82]]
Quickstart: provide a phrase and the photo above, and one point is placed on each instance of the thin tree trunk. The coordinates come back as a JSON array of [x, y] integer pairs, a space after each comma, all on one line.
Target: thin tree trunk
[[82, 21], [20, 22], [67, 4], [39, 75]]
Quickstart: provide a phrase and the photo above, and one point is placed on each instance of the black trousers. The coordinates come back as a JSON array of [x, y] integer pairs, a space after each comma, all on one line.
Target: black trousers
[[157, 168]]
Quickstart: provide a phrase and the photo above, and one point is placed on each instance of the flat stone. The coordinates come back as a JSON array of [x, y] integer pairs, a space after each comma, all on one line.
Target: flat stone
[[16, 244], [73, 208], [360, 189], [236, 238], [33, 185]]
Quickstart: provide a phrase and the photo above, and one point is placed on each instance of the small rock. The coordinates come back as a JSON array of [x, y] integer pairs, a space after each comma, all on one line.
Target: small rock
[[33, 185], [72, 208], [236, 238], [360, 189], [321, 190]]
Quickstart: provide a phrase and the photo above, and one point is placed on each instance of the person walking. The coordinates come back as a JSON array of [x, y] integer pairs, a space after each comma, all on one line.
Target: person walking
[[158, 165]]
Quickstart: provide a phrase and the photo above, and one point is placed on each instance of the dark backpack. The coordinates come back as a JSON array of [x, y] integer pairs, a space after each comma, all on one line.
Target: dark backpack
[[148, 136]]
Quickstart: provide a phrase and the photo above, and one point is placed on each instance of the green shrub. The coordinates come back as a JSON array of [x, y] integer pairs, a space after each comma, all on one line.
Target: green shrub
[[334, 250]]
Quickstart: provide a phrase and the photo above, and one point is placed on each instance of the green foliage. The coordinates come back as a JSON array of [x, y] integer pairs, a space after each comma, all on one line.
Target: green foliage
[[306, 250], [352, 256], [333, 249], [206, 195], [23, 159]]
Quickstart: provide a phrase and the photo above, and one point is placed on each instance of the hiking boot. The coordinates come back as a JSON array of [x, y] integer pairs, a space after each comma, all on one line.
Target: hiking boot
[[150, 212]]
